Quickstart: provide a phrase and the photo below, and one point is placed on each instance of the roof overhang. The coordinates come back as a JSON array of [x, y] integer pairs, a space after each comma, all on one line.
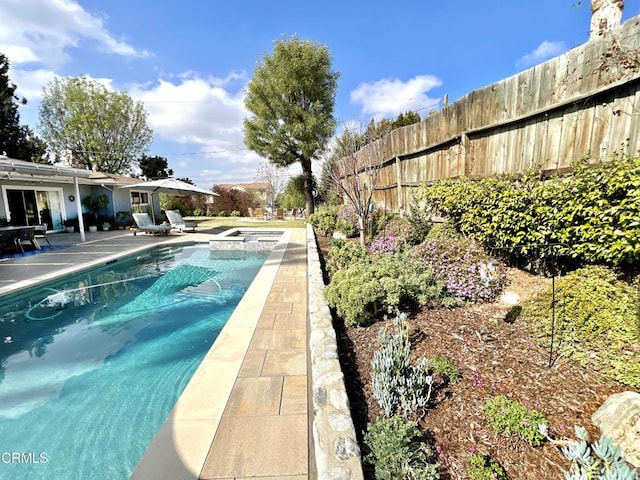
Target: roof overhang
[[20, 168]]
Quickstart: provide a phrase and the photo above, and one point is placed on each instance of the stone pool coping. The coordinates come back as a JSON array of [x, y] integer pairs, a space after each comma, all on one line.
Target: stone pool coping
[[180, 448]]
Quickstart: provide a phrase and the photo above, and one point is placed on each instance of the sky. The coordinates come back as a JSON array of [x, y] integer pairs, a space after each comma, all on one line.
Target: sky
[[189, 61]]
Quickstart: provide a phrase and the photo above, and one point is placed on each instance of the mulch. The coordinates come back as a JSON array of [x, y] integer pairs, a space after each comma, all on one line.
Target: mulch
[[496, 355]]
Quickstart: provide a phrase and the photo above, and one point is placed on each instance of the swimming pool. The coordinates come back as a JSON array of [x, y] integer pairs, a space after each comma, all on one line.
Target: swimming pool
[[91, 365]]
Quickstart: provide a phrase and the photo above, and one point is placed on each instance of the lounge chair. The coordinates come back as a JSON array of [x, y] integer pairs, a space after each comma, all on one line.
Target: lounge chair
[[176, 221], [145, 224]]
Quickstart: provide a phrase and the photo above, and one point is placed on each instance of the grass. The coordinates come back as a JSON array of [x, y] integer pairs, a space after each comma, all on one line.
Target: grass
[[234, 222]]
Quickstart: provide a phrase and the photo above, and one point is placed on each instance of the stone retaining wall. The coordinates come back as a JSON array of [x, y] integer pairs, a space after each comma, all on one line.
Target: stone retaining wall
[[336, 448]]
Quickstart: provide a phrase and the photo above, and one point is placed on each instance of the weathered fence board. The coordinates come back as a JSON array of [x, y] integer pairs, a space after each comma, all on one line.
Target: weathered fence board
[[584, 102]]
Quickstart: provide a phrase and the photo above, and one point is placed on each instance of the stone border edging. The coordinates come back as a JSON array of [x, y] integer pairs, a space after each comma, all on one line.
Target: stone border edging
[[336, 449]]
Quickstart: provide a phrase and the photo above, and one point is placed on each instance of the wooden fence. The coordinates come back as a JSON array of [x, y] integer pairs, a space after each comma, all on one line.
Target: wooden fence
[[584, 102]]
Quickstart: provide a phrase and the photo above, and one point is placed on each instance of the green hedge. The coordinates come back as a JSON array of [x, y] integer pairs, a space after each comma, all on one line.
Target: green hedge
[[595, 211]]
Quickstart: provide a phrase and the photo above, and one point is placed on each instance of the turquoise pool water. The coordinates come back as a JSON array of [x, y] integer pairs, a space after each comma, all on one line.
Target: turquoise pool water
[[90, 366]]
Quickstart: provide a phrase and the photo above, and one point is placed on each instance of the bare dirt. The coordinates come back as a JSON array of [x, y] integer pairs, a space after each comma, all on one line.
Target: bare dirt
[[496, 355]]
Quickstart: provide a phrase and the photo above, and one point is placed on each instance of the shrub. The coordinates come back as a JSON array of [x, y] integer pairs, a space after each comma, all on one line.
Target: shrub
[[594, 211], [421, 224], [198, 212], [468, 273], [382, 285], [397, 385], [346, 227], [596, 322], [396, 451], [222, 213], [235, 213], [323, 220], [442, 231], [444, 366], [348, 221], [380, 219], [483, 467], [342, 254], [509, 417], [392, 238]]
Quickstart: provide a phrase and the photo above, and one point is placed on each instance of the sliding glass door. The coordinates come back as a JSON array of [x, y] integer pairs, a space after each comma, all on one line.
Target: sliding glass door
[[35, 206]]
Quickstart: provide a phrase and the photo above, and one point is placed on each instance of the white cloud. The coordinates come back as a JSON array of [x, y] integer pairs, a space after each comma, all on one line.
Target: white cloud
[[199, 111], [36, 36], [42, 30], [206, 114], [389, 97], [544, 51]]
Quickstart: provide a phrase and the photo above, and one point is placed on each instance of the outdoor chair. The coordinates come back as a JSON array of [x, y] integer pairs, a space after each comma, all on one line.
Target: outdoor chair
[[145, 224], [176, 221], [251, 214], [259, 214], [40, 231], [279, 214], [292, 214]]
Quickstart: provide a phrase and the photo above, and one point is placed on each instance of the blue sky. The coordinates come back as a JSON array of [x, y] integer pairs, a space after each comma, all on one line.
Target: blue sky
[[189, 61]]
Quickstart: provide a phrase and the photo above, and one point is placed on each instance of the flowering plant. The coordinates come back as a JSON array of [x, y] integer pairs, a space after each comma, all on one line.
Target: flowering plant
[[468, 273]]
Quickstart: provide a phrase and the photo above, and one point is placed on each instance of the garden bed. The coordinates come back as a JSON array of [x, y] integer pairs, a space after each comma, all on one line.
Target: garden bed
[[496, 355]]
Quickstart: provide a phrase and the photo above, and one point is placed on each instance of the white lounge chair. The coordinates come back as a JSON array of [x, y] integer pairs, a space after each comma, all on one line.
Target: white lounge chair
[[176, 221], [145, 224]]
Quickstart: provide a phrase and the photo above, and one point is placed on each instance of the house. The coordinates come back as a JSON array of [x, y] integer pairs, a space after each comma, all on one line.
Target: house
[[34, 193]]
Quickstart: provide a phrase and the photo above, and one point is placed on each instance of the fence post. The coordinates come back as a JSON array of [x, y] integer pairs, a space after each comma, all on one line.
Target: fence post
[[466, 161], [399, 184]]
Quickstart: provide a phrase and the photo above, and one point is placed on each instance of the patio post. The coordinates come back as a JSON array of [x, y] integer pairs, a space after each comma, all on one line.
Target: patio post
[[79, 208]]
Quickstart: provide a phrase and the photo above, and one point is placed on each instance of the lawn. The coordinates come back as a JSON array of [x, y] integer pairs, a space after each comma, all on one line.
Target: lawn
[[223, 223]]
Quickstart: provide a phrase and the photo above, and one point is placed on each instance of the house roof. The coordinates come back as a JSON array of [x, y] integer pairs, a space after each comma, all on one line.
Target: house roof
[[20, 166], [14, 169], [114, 178], [244, 186]]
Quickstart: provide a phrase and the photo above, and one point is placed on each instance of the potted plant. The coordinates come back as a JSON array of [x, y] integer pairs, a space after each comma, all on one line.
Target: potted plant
[[69, 225], [106, 226], [95, 204], [123, 220]]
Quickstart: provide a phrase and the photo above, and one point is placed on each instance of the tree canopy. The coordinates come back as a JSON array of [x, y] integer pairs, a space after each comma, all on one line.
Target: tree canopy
[[293, 196], [16, 141], [104, 130], [154, 167], [291, 98], [376, 130]]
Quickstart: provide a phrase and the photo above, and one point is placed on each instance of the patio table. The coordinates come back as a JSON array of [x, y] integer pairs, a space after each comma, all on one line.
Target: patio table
[[15, 235]]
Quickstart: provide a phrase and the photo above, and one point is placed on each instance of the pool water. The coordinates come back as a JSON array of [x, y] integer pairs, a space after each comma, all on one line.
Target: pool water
[[90, 366]]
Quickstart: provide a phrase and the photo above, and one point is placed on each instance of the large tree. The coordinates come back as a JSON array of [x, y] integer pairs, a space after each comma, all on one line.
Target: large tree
[[16, 141], [103, 129], [291, 98]]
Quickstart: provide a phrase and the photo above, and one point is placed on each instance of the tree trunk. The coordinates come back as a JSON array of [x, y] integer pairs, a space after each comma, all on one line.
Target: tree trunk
[[308, 185], [362, 224]]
